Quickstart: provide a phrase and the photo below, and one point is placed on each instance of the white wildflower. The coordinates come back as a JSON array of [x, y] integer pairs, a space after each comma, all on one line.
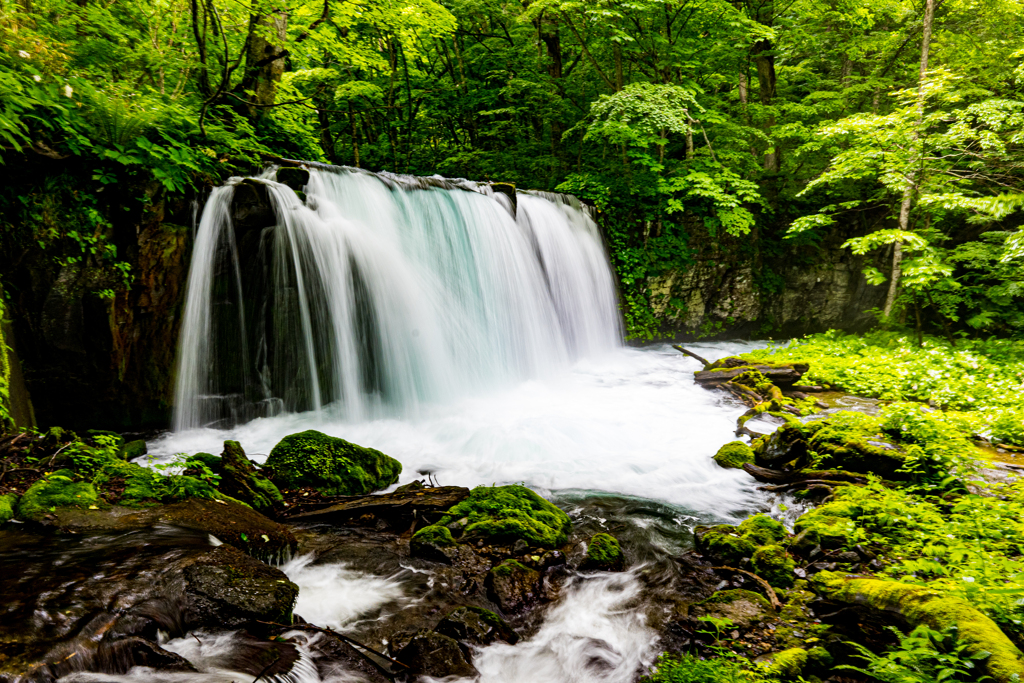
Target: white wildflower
[[23, 54], [68, 90], [37, 78]]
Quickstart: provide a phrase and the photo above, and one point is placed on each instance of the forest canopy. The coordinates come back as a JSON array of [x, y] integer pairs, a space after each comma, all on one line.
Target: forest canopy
[[713, 130]]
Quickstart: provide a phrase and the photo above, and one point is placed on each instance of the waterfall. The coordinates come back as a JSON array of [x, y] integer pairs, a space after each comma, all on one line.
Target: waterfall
[[373, 294]]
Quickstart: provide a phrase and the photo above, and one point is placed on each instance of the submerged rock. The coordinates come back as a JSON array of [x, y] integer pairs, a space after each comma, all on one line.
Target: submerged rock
[[331, 465]]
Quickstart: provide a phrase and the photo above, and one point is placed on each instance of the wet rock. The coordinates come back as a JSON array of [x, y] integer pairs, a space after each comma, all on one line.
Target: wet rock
[[233, 524], [225, 588], [250, 207], [477, 626], [402, 505], [774, 565], [505, 514], [722, 543], [434, 543], [745, 608], [241, 480], [785, 445], [331, 465], [762, 530], [604, 553], [119, 656], [725, 369], [513, 586], [804, 542], [436, 655], [293, 177], [134, 449]]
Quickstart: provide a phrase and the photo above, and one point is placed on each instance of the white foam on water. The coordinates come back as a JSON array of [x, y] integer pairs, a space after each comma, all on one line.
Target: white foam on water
[[594, 634], [335, 595]]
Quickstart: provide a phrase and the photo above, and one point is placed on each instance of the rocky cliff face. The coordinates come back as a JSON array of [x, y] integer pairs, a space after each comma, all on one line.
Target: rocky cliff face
[[823, 288]]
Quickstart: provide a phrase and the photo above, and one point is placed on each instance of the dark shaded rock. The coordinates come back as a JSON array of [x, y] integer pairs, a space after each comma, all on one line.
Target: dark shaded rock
[[477, 626], [233, 524], [785, 445], [513, 586], [433, 654], [119, 656], [250, 207], [134, 449], [226, 588], [805, 541], [401, 504], [434, 543], [241, 480], [294, 177]]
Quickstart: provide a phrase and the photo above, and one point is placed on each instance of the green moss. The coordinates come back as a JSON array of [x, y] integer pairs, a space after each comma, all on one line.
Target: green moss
[[728, 547], [734, 454], [53, 491], [434, 535], [134, 449], [510, 567], [331, 465], [832, 523], [603, 552], [774, 565], [131, 485], [510, 513], [920, 605], [8, 504], [240, 479], [762, 530], [789, 663], [209, 459], [727, 597]]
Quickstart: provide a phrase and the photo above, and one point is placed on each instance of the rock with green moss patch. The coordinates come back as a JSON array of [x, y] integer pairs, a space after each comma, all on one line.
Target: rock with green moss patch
[[744, 608], [505, 514], [56, 490], [774, 565], [513, 586], [433, 542], [920, 605], [604, 553], [134, 449], [8, 504], [331, 465], [831, 523], [723, 543], [233, 523], [124, 483], [789, 663], [734, 455], [762, 530], [240, 479], [477, 626]]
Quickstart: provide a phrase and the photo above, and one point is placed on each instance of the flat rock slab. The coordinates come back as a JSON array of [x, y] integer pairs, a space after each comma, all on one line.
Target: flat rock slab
[[389, 505]]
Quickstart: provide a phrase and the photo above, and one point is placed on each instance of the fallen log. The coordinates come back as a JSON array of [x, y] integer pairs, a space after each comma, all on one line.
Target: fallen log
[[691, 354], [771, 476], [394, 504], [776, 374]]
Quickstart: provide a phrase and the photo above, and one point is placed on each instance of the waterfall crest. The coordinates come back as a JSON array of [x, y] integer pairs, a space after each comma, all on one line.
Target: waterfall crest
[[377, 293]]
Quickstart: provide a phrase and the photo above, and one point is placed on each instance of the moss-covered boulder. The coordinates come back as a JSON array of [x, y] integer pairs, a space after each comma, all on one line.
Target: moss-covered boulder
[[505, 514], [8, 504], [240, 479], [331, 465], [513, 586], [773, 564], [723, 543], [120, 482], [134, 449], [604, 553], [56, 490], [734, 455], [832, 524], [744, 608], [434, 542], [762, 530], [920, 605]]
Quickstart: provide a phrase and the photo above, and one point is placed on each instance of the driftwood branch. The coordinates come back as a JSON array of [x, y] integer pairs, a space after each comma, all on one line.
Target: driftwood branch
[[772, 597], [691, 354]]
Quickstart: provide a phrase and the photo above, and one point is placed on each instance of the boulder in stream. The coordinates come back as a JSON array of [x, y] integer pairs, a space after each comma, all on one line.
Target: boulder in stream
[[477, 626], [331, 465], [432, 654], [513, 586]]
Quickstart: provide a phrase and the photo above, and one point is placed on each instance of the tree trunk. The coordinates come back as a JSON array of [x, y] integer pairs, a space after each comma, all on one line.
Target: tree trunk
[[765, 63], [908, 194], [264, 62]]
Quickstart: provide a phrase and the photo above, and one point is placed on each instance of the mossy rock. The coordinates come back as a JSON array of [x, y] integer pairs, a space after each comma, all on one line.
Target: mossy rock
[[56, 490], [125, 483], [478, 626], [744, 608], [774, 565], [604, 553], [232, 523], [505, 514], [8, 504], [331, 465], [789, 663], [432, 543], [513, 586], [734, 455], [920, 605], [832, 524], [241, 480], [723, 543], [762, 530], [134, 449]]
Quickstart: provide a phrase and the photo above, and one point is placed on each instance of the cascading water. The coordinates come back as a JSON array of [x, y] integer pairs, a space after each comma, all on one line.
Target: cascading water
[[375, 296]]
